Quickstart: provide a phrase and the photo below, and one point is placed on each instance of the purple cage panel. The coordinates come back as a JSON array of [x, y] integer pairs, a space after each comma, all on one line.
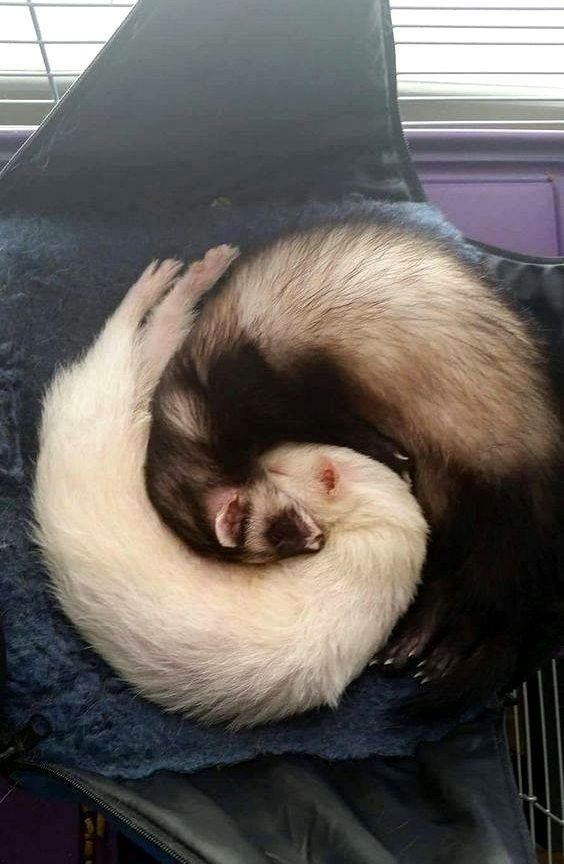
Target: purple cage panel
[[504, 188]]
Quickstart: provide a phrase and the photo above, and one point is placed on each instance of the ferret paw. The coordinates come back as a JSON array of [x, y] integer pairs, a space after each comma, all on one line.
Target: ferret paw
[[474, 658], [450, 647], [170, 320], [439, 664], [153, 283], [403, 654], [202, 275], [414, 634]]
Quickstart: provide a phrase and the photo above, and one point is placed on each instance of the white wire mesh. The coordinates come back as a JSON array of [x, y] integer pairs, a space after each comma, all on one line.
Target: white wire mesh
[[44, 47], [480, 63], [535, 735], [461, 63]]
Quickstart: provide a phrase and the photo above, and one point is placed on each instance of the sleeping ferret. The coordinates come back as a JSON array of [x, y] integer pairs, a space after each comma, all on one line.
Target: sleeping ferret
[[219, 641], [328, 335]]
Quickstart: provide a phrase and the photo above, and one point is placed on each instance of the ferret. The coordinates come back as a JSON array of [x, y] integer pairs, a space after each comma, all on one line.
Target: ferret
[[380, 339], [222, 642], [219, 500]]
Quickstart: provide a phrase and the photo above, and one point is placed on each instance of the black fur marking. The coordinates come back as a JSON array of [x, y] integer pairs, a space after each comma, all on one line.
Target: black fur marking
[[286, 533], [253, 407], [245, 407]]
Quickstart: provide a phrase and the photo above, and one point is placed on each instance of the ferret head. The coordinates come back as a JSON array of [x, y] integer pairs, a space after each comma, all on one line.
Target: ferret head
[[302, 493], [259, 522]]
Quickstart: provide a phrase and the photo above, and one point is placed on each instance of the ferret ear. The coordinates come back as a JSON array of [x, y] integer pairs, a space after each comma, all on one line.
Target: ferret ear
[[328, 475], [226, 511]]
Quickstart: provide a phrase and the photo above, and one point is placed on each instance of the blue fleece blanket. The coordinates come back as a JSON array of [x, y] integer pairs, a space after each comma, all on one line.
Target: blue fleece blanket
[[60, 277]]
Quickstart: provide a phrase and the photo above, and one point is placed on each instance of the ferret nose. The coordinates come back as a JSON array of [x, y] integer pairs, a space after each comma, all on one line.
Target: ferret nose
[[315, 543]]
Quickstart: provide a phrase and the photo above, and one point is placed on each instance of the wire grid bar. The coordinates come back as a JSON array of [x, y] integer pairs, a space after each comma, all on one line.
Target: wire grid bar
[[54, 4], [474, 27], [414, 26], [536, 727], [84, 42], [469, 42], [478, 98], [44, 57], [450, 93], [481, 73], [420, 29], [38, 74], [48, 72], [542, 713], [479, 8], [523, 124], [52, 75], [442, 78], [560, 742]]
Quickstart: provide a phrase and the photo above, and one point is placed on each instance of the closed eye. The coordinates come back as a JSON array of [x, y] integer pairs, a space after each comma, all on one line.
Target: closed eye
[[273, 470]]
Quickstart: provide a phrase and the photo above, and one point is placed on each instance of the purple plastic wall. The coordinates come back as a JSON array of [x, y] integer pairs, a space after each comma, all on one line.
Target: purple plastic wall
[[33, 831], [504, 188]]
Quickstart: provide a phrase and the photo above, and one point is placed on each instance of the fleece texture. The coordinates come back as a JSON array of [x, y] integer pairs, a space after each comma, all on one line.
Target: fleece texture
[[60, 277]]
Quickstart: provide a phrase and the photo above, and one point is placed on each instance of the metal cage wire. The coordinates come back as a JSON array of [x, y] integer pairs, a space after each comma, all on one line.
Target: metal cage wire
[[534, 727], [445, 50], [486, 63], [22, 90]]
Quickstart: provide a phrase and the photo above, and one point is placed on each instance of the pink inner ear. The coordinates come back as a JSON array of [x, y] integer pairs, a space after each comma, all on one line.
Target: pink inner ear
[[225, 511], [328, 475]]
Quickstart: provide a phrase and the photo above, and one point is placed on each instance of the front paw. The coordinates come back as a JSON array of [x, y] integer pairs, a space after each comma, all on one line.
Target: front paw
[[203, 274], [455, 650], [413, 636]]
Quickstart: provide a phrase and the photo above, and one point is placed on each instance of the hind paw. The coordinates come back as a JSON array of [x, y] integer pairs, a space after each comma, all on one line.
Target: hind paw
[[153, 283], [171, 319], [448, 645], [202, 275]]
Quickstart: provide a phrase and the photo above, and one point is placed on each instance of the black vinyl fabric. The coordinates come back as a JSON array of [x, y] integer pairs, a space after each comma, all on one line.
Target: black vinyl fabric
[[193, 99], [190, 102], [452, 803]]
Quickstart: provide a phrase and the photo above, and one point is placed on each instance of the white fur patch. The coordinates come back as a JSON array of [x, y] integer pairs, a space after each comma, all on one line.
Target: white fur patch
[[242, 644]]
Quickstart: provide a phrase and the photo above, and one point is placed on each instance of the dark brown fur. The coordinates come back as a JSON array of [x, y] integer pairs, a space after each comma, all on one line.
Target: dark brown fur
[[330, 335], [244, 408]]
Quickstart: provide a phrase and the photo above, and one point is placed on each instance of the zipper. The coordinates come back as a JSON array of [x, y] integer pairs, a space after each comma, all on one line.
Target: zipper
[[69, 779]]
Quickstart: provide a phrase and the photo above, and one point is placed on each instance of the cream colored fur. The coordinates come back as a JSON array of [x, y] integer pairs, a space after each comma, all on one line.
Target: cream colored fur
[[434, 357], [242, 644]]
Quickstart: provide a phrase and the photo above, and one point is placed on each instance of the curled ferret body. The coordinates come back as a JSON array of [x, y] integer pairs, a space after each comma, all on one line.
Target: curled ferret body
[[355, 334], [223, 642]]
